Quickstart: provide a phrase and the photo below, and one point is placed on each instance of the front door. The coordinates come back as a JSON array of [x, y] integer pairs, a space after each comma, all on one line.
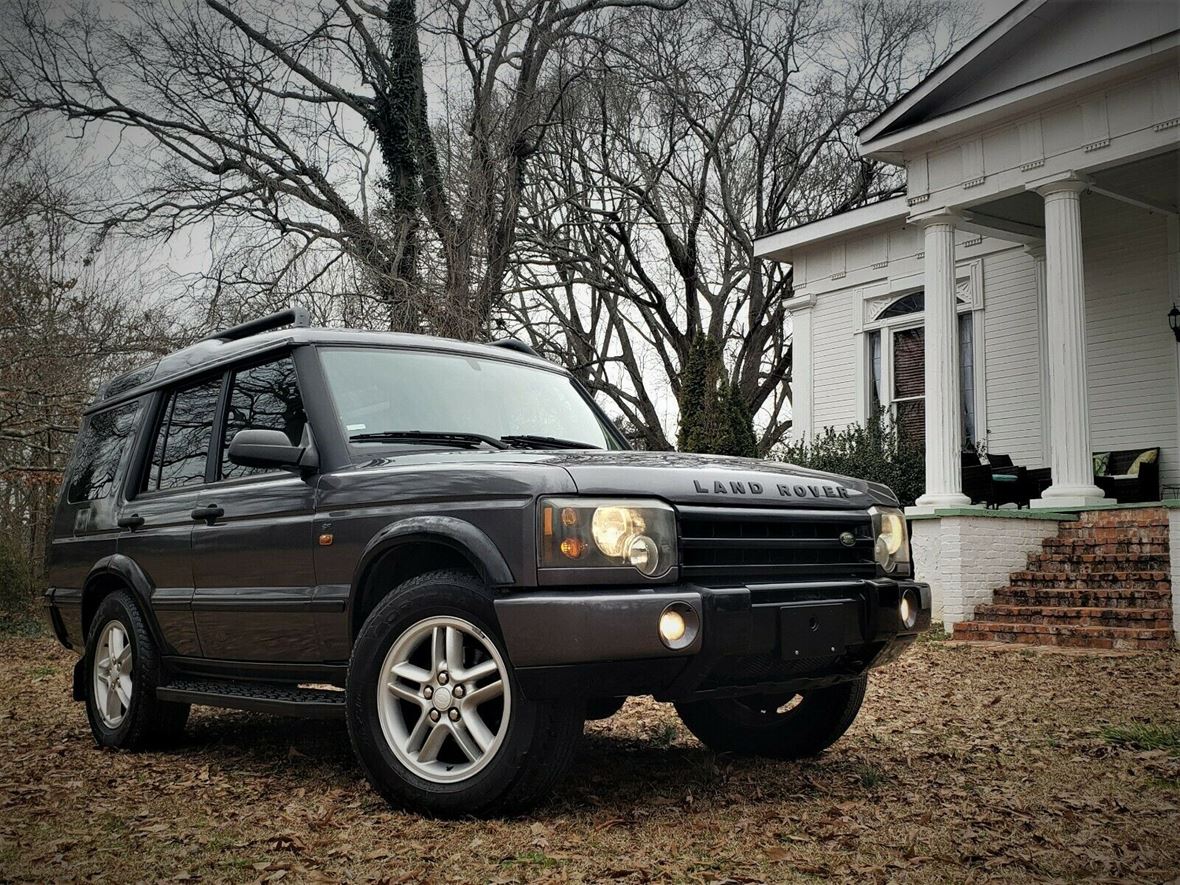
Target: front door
[[252, 533]]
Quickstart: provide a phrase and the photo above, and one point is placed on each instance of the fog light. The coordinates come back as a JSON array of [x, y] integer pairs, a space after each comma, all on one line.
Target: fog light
[[679, 625], [672, 626], [907, 610]]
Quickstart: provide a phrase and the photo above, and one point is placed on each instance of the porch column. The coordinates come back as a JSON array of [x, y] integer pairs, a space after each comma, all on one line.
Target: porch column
[[944, 432], [1065, 302]]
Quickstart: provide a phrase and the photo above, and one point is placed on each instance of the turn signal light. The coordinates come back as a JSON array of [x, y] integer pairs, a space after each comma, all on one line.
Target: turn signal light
[[573, 548]]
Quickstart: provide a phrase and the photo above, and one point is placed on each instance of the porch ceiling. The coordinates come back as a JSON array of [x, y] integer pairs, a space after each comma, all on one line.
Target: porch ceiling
[[1152, 183]]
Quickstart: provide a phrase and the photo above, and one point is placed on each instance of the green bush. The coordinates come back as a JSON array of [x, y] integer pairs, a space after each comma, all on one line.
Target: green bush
[[875, 451]]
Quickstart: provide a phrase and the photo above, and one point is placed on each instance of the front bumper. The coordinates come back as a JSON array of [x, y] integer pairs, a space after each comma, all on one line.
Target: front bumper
[[752, 639]]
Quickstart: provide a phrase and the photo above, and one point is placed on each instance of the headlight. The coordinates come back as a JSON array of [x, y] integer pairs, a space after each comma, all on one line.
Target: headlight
[[891, 548], [604, 533]]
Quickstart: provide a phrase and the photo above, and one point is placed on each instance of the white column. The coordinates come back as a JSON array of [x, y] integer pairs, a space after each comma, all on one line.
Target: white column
[[1038, 256], [944, 429], [1065, 302]]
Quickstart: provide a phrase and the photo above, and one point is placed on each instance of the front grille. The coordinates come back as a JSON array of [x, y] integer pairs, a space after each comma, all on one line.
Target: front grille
[[721, 543]]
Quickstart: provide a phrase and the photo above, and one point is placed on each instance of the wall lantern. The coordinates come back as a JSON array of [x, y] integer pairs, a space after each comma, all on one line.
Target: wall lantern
[[1174, 321]]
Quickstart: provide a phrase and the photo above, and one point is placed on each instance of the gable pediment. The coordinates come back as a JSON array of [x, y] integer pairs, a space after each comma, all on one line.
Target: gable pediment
[[1035, 40]]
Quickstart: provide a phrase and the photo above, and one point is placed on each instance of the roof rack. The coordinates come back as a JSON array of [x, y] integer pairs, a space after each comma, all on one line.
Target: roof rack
[[292, 316], [517, 345]]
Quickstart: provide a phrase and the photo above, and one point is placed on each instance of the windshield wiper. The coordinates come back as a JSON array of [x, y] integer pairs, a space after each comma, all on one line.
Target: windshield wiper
[[445, 437], [528, 441]]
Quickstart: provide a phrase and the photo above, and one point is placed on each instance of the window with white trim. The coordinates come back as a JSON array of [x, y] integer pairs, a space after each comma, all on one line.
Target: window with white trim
[[897, 367]]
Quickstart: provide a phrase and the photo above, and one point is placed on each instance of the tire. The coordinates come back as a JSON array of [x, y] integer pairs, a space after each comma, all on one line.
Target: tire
[[120, 649], [754, 726], [501, 754]]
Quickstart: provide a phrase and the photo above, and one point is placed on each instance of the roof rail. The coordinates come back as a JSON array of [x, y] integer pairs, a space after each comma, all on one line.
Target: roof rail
[[292, 316], [517, 345]]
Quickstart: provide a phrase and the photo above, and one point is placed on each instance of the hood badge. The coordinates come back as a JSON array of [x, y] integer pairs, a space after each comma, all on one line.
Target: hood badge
[[847, 539], [781, 490]]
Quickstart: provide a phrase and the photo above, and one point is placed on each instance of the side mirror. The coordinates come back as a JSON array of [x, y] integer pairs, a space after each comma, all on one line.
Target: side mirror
[[269, 448]]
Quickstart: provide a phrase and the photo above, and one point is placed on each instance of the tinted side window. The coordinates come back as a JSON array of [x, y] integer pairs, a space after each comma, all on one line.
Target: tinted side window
[[100, 449], [262, 397], [182, 443]]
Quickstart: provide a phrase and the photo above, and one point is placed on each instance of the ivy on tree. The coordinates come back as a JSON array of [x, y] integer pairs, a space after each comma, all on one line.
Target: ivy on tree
[[714, 418]]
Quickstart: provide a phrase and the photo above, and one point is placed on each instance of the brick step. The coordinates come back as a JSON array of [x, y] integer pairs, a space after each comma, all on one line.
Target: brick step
[[1158, 532], [1082, 616], [1066, 635], [1119, 562], [1100, 597], [1091, 579], [1093, 545]]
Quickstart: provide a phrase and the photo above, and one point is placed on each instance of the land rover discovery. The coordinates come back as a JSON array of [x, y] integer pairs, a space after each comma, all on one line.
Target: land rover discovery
[[451, 547]]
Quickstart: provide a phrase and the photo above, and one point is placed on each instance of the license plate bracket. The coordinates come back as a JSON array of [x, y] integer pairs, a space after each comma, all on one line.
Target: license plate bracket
[[816, 628]]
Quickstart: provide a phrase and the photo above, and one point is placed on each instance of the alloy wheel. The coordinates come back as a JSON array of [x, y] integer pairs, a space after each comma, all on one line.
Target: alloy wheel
[[113, 665], [444, 699]]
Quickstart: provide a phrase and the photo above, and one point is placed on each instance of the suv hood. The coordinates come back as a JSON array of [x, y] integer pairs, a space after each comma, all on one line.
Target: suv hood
[[682, 478], [715, 480]]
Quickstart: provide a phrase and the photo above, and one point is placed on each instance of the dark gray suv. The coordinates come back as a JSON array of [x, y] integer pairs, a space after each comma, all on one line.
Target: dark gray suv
[[451, 547]]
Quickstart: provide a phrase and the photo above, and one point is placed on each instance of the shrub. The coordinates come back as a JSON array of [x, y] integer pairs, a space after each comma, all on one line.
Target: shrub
[[875, 451]]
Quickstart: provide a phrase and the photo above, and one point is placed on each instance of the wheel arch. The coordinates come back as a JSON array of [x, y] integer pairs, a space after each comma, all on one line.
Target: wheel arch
[[109, 575], [414, 546]]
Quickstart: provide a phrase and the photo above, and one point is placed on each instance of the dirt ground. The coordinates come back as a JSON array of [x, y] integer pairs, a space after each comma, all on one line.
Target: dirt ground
[[966, 764]]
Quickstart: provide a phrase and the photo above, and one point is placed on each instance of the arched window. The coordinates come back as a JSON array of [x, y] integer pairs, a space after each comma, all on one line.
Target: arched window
[[897, 366], [915, 302]]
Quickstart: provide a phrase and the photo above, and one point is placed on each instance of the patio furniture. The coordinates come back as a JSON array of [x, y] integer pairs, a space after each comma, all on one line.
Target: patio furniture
[[1009, 482], [1130, 476], [996, 482], [976, 477]]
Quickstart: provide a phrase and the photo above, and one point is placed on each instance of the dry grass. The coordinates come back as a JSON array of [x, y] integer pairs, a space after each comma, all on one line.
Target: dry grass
[[966, 764]]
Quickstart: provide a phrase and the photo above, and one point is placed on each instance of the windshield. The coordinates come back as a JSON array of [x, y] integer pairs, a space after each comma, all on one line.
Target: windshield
[[381, 391]]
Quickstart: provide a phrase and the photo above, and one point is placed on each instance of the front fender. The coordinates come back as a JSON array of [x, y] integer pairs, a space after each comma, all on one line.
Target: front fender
[[458, 534]]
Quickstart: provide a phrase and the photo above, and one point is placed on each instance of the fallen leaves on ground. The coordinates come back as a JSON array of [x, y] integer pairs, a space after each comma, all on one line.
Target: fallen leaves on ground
[[966, 764]]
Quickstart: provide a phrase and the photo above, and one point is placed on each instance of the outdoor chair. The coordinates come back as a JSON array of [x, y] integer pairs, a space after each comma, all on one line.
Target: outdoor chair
[[1130, 476], [1009, 483]]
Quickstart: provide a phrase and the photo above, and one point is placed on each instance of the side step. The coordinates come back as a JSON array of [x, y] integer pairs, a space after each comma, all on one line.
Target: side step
[[257, 697]]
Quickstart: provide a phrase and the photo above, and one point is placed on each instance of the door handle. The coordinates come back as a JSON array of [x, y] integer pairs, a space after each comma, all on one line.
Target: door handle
[[134, 521], [209, 514]]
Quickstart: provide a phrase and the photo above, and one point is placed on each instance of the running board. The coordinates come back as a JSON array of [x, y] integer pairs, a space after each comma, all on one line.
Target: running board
[[256, 697]]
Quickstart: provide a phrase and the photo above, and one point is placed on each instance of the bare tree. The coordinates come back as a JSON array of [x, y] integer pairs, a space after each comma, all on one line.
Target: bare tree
[[68, 318], [686, 139], [303, 129]]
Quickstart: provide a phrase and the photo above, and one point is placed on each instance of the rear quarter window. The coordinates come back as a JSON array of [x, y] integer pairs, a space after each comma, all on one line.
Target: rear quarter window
[[101, 445]]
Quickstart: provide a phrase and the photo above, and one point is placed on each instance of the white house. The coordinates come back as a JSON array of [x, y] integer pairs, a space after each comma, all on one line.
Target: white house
[[1017, 296]]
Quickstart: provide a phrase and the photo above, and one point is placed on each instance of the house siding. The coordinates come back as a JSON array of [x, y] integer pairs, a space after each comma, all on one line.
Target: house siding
[[1131, 363], [834, 361], [1013, 341]]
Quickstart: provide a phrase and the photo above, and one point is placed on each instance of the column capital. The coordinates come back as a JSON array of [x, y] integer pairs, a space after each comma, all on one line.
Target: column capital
[[799, 301], [936, 216], [1064, 183]]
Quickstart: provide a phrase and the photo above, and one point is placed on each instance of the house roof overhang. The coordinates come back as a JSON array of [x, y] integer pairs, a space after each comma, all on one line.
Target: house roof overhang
[[937, 109], [782, 245], [894, 117]]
